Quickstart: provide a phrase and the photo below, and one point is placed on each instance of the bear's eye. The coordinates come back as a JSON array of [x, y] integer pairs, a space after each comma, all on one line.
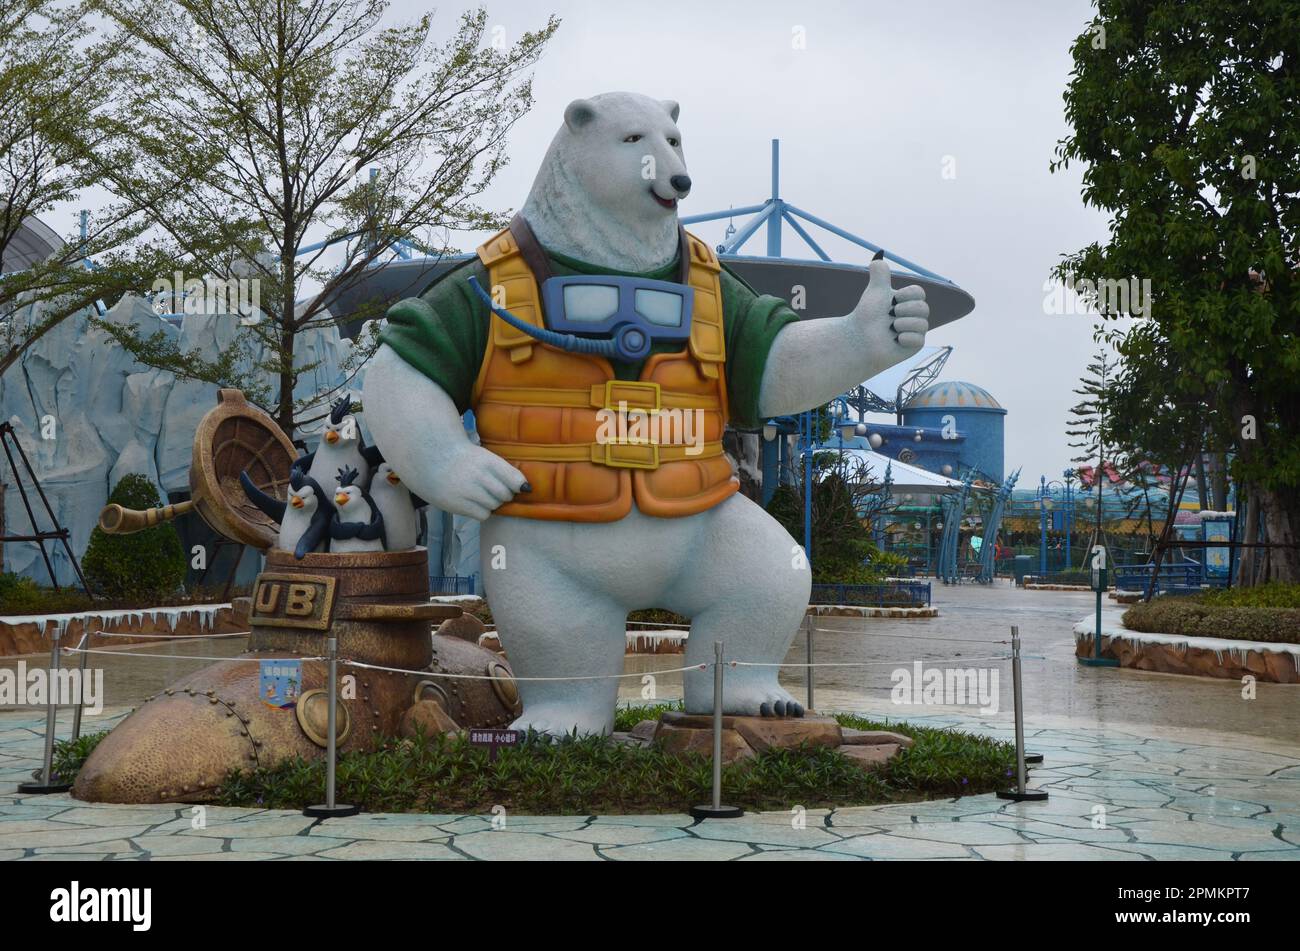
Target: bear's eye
[[635, 137], [674, 142]]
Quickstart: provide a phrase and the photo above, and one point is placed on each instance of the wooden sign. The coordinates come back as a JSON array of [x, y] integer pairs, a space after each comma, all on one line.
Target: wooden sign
[[293, 600]]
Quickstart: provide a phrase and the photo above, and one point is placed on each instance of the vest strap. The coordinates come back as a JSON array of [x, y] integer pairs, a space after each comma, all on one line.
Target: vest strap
[[593, 398], [619, 455]]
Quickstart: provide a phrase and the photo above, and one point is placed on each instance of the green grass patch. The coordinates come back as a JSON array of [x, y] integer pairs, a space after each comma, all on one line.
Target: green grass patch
[[69, 755], [596, 775]]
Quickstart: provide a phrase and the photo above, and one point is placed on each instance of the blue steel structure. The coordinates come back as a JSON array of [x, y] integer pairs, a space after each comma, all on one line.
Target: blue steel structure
[[1046, 497], [774, 213], [948, 570], [988, 550]]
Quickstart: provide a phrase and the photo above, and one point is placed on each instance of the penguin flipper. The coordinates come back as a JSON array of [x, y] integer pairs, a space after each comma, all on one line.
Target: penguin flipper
[[317, 531], [372, 455], [340, 529], [271, 507]]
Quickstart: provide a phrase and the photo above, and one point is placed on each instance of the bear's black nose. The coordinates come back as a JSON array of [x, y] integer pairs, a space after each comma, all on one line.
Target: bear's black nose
[[681, 182]]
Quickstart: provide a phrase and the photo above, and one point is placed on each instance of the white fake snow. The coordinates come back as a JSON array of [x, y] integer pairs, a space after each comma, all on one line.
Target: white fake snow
[[205, 612], [1220, 645]]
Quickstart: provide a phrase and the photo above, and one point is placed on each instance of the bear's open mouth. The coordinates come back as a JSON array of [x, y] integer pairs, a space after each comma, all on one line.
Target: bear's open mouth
[[669, 203]]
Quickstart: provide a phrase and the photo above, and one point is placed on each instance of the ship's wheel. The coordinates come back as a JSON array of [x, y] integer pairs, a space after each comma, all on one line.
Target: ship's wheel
[[234, 437]]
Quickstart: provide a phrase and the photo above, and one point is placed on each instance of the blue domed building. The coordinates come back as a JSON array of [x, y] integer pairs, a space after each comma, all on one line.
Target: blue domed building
[[949, 427], [970, 425]]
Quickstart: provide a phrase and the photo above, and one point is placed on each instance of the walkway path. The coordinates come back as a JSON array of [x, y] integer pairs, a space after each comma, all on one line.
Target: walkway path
[[1114, 795], [1138, 766]]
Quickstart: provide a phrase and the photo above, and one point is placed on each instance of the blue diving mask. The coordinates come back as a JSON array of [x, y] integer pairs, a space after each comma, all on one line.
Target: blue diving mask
[[615, 317]]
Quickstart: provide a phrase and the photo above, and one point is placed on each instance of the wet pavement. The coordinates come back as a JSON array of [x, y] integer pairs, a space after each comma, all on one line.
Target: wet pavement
[[1138, 765], [1057, 689], [1113, 796]]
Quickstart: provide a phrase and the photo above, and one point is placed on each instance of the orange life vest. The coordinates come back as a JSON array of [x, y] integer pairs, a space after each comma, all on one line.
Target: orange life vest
[[552, 413]]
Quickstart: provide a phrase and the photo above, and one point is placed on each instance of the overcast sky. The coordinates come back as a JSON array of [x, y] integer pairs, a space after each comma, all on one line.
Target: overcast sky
[[866, 114]]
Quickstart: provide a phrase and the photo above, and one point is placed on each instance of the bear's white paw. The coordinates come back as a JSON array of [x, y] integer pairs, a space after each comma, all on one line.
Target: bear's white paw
[[745, 693], [562, 719]]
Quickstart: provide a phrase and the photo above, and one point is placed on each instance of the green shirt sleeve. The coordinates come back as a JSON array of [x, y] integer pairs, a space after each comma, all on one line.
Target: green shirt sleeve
[[443, 332], [751, 323]]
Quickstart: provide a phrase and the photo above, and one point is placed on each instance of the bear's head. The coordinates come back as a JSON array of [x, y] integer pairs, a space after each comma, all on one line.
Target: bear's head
[[608, 188]]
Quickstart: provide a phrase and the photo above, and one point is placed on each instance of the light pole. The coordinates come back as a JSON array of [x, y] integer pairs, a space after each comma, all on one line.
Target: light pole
[[1068, 517], [1046, 491]]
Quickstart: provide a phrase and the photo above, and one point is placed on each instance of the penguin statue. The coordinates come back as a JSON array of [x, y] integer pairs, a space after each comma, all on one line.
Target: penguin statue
[[303, 517], [357, 524], [397, 506], [341, 447]]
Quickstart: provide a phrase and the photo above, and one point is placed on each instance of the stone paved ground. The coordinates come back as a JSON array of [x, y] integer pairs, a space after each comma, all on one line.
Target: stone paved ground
[[1159, 799], [1181, 767]]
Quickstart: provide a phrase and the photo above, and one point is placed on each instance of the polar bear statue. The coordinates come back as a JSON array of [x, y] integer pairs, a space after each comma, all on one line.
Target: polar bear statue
[[578, 530]]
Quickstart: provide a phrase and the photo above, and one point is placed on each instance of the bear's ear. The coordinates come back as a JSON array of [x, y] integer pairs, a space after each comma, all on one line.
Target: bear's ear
[[674, 109], [578, 113]]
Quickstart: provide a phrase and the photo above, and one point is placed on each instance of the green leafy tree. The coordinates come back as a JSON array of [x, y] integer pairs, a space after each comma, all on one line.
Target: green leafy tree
[[53, 79], [144, 565], [247, 128], [1183, 114]]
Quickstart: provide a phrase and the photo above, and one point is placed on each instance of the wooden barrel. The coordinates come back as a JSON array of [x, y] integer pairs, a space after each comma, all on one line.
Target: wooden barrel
[[375, 603]]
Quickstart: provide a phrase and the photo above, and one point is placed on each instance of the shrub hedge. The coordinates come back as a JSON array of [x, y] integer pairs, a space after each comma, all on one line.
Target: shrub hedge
[[1192, 617], [1275, 594], [148, 564]]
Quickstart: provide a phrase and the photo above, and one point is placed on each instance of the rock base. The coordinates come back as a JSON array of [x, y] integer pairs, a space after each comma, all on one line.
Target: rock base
[[745, 737], [31, 635], [1273, 666]]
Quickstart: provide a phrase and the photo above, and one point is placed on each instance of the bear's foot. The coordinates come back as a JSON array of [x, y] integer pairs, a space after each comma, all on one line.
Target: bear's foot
[[560, 720], [781, 708], [744, 694]]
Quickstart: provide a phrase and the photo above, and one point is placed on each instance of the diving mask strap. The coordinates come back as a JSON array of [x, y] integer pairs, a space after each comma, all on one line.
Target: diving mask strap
[[569, 342]]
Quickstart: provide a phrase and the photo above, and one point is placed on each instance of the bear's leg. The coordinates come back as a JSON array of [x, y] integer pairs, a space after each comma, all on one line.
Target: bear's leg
[[552, 626], [745, 584]]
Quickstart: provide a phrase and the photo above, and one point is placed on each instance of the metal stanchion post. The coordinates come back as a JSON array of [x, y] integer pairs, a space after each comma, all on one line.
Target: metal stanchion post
[[81, 683], [46, 783], [716, 810], [809, 621], [331, 809], [1020, 793]]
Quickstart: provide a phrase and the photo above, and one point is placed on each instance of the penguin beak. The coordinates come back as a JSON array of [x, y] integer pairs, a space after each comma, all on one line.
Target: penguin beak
[[331, 437], [341, 498], [393, 480], [296, 501]]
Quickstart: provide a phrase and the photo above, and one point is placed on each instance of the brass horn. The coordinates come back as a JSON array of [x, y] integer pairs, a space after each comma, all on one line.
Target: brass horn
[[116, 520], [233, 437]]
